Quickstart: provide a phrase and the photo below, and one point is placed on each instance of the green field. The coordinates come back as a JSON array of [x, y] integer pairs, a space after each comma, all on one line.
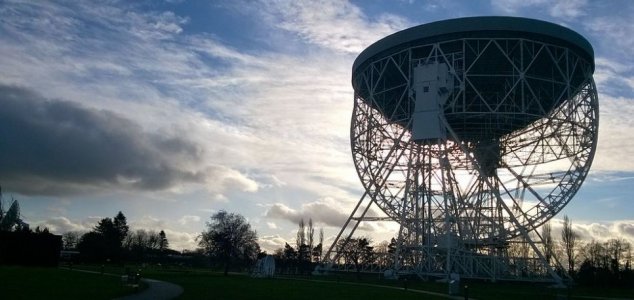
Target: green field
[[52, 283], [41, 283], [201, 283], [217, 286]]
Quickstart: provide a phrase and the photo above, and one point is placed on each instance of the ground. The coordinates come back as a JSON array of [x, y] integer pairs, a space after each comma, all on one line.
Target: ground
[[51, 283]]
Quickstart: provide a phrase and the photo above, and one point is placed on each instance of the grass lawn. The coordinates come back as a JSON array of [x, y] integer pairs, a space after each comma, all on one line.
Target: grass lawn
[[204, 284], [503, 290], [52, 283], [216, 286]]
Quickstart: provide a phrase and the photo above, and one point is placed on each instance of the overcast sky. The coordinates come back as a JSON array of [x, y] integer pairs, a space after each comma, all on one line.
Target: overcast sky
[[170, 111]]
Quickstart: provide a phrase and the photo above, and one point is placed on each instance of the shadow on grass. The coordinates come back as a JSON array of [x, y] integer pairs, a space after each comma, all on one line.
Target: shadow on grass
[[52, 283]]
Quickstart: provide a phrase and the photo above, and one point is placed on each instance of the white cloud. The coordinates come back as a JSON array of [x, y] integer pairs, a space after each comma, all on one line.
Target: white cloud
[[187, 219], [222, 178], [615, 32], [148, 222], [325, 211], [333, 24], [269, 114], [60, 225], [615, 132], [332, 214], [272, 242], [180, 240], [565, 9], [598, 231], [271, 225], [568, 9], [513, 6]]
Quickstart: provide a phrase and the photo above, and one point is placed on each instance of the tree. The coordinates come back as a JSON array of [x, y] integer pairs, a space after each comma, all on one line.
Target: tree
[[617, 249], [110, 238], [113, 232], [310, 240], [301, 235], [163, 242], [229, 238], [70, 239], [303, 249], [383, 254], [356, 251], [568, 240], [548, 241], [120, 224], [316, 253], [92, 246], [289, 253]]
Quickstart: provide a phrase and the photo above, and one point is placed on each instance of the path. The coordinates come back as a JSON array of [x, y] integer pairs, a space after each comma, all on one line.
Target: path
[[156, 290]]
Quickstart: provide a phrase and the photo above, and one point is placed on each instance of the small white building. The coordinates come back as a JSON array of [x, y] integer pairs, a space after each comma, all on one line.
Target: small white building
[[264, 267]]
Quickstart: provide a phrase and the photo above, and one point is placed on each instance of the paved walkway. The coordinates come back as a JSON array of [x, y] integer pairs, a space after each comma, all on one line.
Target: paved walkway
[[156, 290]]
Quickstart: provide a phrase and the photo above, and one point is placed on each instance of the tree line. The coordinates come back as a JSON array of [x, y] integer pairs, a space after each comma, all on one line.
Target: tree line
[[230, 243], [586, 262], [112, 240], [306, 254]]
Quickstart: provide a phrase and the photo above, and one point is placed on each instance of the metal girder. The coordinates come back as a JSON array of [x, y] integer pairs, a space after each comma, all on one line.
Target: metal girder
[[523, 121]]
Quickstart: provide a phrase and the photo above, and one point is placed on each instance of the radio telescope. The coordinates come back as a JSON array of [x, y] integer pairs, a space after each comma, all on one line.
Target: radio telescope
[[470, 134]]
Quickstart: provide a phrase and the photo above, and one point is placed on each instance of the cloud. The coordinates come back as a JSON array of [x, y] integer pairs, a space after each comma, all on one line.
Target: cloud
[[60, 225], [271, 225], [615, 32], [565, 9], [329, 212], [270, 243], [279, 116], [598, 231], [187, 219], [180, 240], [320, 211], [615, 129], [568, 9], [54, 147], [336, 25]]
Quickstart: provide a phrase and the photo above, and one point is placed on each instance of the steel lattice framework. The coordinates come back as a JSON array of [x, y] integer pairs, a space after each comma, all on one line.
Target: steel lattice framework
[[517, 130]]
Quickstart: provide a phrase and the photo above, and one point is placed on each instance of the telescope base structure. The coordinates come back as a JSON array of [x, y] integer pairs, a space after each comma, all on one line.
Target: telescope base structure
[[517, 260], [470, 134]]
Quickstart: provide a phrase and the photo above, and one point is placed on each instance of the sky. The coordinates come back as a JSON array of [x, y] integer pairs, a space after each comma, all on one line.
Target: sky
[[170, 111]]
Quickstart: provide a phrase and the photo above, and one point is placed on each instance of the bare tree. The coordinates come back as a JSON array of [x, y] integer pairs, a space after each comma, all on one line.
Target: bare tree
[[548, 241], [321, 236], [617, 250], [301, 235], [383, 257], [229, 238], [311, 234], [154, 240], [568, 241], [595, 253], [70, 239], [318, 250], [357, 251]]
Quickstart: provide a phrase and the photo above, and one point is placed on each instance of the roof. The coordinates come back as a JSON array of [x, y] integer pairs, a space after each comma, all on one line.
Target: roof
[[474, 27]]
